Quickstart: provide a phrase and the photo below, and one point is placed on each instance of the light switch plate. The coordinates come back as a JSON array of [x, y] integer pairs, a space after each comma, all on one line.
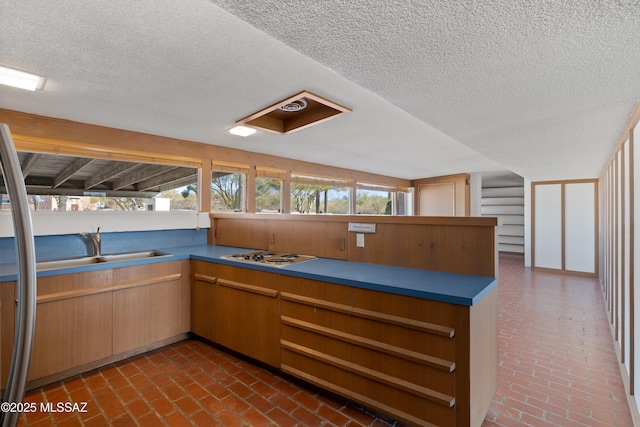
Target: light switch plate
[[360, 240]]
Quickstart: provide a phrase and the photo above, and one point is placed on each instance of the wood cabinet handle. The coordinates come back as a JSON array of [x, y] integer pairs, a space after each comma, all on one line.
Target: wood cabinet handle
[[205, 278], [271, 293]]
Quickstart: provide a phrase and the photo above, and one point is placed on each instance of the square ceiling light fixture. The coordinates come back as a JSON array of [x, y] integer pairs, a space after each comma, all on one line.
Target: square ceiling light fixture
[[294, 113], [20, 79]]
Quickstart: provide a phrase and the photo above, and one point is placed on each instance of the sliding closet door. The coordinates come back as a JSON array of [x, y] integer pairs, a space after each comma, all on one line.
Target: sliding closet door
[[548, 226], [565, 225], [580, 217]]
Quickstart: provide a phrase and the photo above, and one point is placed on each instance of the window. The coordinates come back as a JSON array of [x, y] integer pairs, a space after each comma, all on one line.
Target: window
[[68, 183], [319, 195], [268, 195], [228, 191], [269, 189], [228, 187], [374, 199]]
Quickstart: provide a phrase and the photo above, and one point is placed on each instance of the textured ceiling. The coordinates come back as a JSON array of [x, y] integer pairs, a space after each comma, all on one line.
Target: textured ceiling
[[437, 87]]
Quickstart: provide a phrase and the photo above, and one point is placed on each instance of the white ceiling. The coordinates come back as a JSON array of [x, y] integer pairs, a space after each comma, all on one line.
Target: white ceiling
[[541, 88]]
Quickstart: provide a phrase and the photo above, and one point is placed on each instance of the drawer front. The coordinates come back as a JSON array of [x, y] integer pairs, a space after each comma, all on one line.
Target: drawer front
[[316, 331]]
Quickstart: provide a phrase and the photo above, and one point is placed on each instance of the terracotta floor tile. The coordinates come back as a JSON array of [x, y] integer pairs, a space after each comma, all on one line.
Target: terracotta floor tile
[[187, 405], [163, 406], [255, 418], [137, 408], [281, 418], [152, 420], [111, 409], [203, 418], [229, 418], [306, 417]]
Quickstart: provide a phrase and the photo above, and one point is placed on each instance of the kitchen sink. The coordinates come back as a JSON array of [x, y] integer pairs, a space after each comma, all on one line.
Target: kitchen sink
[[67, 263], [83, 261], [131, 256]]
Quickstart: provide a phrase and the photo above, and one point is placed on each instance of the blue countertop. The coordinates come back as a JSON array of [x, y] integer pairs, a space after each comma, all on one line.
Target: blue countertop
[[459, 289]]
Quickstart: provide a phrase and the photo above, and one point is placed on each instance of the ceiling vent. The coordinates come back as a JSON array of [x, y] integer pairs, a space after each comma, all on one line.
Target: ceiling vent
[[294, 113]]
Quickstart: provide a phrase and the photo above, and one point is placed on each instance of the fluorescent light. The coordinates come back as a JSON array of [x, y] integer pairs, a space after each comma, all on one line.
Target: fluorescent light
[[20, 79], [242, 131]]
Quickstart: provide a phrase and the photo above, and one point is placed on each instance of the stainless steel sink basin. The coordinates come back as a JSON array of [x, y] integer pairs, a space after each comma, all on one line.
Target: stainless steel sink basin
[[67, 263], [131, 256], [82, 261]]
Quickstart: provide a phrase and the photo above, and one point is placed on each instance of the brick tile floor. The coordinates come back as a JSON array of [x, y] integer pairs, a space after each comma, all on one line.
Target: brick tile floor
[[557, 368], [557, 362]]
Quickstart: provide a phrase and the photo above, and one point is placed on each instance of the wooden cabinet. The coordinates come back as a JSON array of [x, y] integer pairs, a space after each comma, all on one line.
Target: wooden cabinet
[[403, 357], [203, 299], [87, 319], [248, 312], [147, 304], [407, 357], [74, 321], [443, 195], [327, 239], [316, 332]]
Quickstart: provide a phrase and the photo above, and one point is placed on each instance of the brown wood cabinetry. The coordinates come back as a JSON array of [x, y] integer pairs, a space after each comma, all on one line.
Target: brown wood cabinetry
[[451, 244], [316, 332], [147, 304], [248, 312], [203, 299], [237, 231], [320, 238], [74, 322], [84, 320], [407, 357]]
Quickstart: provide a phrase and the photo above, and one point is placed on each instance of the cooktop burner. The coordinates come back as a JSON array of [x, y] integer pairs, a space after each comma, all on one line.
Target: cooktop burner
[[276, 259]]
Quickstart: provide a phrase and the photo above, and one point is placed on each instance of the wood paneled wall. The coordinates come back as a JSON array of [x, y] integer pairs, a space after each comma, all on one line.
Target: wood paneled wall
[[452, 244], [618, 186]]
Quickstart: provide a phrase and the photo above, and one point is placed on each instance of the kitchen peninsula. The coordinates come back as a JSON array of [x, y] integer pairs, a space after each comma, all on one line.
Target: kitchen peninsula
[[419, 345]]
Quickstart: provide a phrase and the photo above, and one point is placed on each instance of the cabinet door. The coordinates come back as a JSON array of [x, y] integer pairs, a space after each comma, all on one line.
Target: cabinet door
[[320, 238], [73, 323], [147, 305], [203, 299], [248, 312]]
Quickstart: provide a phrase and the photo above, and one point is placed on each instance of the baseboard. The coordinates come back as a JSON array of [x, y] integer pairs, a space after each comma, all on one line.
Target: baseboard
[[31, 385]]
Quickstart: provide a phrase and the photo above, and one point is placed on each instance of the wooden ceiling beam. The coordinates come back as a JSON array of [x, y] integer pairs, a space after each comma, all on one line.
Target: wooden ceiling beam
[[165, 178], [29, 163], [141, 175], [71, 170], [108, 174]]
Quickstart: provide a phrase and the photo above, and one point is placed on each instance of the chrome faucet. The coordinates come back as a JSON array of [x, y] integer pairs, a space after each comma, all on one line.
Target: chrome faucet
[[95, 239]]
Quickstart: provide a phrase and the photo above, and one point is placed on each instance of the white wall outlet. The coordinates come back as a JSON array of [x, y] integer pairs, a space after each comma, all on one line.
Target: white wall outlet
[[360, 240]]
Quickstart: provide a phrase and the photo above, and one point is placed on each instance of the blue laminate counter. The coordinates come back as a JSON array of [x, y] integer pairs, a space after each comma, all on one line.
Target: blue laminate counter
[[459, 289]]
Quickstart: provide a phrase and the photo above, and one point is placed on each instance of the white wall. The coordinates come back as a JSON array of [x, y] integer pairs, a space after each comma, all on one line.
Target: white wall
[[51, 223]]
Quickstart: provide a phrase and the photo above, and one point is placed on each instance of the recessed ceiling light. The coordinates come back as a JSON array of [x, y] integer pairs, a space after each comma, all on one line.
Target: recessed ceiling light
[[242, 131], [20, 79]]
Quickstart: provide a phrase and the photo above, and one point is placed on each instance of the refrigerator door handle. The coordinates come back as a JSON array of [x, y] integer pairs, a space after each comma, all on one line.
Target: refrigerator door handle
[[26, 257]]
